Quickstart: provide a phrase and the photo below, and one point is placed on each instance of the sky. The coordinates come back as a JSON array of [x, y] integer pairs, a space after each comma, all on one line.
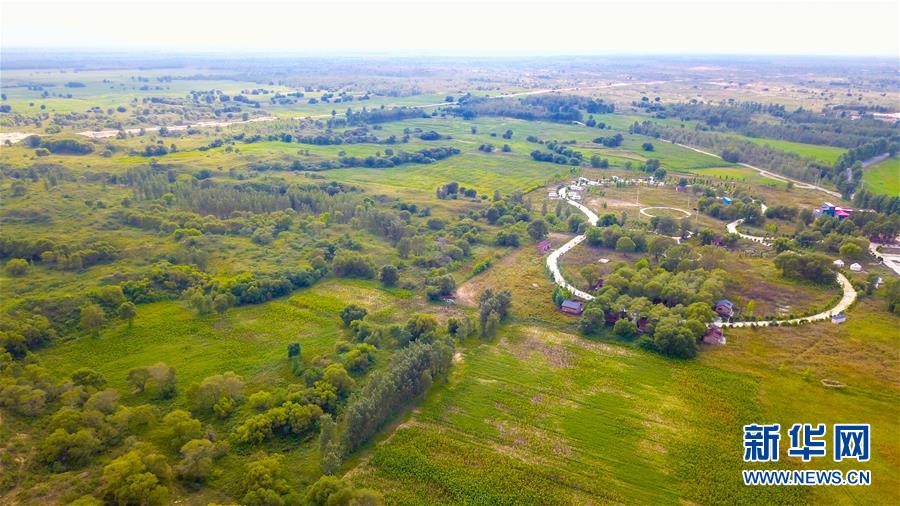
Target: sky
[[464, 28]]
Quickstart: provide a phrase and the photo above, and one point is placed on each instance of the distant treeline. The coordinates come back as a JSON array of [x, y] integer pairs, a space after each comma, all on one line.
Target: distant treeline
[[565, 108], [736, 150], [801, 125], [789, 164]]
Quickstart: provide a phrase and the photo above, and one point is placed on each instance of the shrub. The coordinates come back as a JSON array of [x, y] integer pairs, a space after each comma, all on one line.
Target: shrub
[[17, 267]]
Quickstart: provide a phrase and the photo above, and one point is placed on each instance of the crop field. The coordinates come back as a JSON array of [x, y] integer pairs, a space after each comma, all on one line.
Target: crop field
[[621, 430], [883, 177]]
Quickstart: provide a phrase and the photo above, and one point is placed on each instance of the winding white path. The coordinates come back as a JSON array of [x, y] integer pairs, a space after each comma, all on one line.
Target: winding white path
[[733, 229], [553, 258], [644, 210], [846, 301]]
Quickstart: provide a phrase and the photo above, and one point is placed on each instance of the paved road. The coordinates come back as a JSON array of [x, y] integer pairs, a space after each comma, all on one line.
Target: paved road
[[553, 264], [890, 260], [553, 258], [845, 302], [733, 229]]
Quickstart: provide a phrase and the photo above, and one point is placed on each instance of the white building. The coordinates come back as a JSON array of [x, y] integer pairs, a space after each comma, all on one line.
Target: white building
[[839, 263], [855, 267]]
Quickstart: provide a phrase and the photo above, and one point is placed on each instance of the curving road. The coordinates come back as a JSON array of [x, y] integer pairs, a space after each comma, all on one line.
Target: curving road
[[553, 258], [733, 229], [846, 301]]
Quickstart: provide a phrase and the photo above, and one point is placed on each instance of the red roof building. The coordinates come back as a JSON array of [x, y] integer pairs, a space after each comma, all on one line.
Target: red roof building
[[543, 246], [714, 335], [570, 306]]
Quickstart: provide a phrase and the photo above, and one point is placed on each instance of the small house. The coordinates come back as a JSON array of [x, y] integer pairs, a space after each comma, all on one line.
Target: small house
[[829, 209], [543, 246], [855, 267], [839, 263], [714, 335], [838, 318], [570, 306], [726, 201], [725, 308]]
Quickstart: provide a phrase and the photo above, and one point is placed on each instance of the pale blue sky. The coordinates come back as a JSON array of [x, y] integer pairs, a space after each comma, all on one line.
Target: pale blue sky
[[495, 27]]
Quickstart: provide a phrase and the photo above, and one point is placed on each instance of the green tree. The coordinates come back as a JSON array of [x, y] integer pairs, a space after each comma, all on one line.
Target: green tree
[[625, 328], [137, 477], [389, 275], [625, 245], [538, 229], [352, 312], [62, 450], [127, 312], [17, 267], [264, 484], [88, 378], [592, 320], [198, 460], [91, 318], [180, 427]]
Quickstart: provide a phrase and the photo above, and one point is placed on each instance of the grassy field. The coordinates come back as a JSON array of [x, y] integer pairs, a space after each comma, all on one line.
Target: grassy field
[[825, 154], [622, 429], [883, 177], [546, 417], [738, 173]]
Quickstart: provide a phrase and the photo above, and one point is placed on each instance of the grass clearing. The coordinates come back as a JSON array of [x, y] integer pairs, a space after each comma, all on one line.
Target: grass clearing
[[883, 177]]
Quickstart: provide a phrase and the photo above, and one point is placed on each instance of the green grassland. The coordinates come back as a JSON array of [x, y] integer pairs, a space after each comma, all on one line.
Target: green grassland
[[739, 173], [883, 177], [822, 153]]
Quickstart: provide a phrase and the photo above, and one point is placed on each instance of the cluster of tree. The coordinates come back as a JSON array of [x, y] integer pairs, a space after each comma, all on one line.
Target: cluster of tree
[[599, 163], [59, 146], [735, 150], [672, 310], [812, 267], [534, 108], [422, 156], [611, 141], [349, 136], [410, 374], [888, 204], [741, 207], [493, 308], [289, 418], [453, 190], [65, 256], [372, 116], [614, 236], [800, 125]]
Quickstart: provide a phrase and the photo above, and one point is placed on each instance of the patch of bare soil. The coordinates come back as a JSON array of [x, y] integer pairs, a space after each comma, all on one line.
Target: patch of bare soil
[[554, 353], [528, 444], [468, 292], [597, 203]]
